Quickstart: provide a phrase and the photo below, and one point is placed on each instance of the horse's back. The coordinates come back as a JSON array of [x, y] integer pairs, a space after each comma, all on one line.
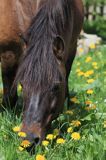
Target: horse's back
[[15, 17]]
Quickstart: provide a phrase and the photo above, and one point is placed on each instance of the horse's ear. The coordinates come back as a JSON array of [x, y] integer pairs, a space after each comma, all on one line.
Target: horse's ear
[[58, 48]]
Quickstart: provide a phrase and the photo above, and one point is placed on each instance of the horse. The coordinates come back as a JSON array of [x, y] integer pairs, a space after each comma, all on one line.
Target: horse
[[43, 71]]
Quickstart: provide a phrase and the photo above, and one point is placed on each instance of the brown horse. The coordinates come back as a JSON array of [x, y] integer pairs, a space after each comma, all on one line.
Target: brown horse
[[15, 17], [51, 42]]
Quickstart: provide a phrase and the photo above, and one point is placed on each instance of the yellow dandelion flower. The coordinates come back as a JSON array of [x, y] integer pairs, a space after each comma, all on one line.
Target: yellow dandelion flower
[[40, 157], [81, 50], [56, 132], [60, 141], [20, 148], [80, 73], [19, 87], [22, 134], [93, 107], [90, 80], [88, 73], [75, 136], [50, 137], [104, 124], [89, 91], [45, 143], [94, 64], [25, 143], [69, 112], [92, 46], [88, 102], [70, 130], [76, 123], [16, 129], [88, 59], [74, 100]]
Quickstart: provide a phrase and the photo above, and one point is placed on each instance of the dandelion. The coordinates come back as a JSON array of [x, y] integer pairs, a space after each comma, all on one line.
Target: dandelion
[[40, 157], [25, 144], [88, 73], [88, 59], [50, 137], [60, 141], [89, 91], [81, 50], [80, 73], [93, 107], [90, 80], [104, 124], [45, 143], [92, 46], [70, 130], [69, 112], [94, 64], [16, 129], [20, 148], [22, 134], [75, 136], [76, 123], [74, 100], [19, 87], [88, 102]]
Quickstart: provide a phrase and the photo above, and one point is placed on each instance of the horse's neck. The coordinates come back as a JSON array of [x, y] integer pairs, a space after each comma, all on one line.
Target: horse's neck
[[26, 10]]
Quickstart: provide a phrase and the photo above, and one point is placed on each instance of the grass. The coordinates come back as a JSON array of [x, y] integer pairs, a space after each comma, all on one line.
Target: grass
[[92, 143]]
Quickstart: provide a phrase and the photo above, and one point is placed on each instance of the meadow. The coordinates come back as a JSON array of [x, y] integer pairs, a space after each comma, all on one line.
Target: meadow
[[79, 133]]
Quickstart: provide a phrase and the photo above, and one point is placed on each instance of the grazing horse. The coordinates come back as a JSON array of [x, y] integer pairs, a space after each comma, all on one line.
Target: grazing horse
[[51, 42]]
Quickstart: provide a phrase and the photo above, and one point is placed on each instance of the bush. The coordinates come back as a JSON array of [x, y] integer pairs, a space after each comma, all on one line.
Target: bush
[[96, 27]]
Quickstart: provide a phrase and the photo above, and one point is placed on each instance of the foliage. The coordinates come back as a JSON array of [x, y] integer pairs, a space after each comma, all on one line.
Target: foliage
[[90, 2], [97, 26]]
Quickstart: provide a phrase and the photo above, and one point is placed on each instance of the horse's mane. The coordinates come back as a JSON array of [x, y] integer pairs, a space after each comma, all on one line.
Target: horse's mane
[[39, 65]]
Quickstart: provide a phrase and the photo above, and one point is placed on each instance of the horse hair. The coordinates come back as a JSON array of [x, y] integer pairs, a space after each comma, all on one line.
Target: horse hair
[[39, 66]]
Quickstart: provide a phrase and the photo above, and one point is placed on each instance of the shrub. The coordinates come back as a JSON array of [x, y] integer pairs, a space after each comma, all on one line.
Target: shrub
[[96, 27]]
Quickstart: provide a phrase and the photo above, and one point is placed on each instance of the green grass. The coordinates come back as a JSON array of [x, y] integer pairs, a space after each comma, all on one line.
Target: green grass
[[92, 145]]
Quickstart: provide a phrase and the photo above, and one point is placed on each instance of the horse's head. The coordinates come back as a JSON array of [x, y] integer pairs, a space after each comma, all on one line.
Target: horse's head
[[43, 97]]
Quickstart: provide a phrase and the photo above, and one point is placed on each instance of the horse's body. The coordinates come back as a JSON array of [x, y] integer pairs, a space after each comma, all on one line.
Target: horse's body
[[51, 47], [15, 17]]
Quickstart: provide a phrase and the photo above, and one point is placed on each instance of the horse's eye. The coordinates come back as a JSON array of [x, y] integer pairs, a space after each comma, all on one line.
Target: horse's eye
[[55, 88]]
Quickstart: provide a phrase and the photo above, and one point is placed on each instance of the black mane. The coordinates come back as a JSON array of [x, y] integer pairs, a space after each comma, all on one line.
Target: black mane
[[39, 65]]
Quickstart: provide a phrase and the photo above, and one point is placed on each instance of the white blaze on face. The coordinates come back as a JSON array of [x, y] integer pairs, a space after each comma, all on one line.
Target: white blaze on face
[[34, 102]]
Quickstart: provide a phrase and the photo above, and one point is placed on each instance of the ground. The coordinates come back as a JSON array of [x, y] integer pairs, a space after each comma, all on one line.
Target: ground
[[78, 133]]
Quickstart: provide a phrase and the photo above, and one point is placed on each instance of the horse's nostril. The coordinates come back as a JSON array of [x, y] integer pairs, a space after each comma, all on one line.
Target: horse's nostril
[[37, 140]]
